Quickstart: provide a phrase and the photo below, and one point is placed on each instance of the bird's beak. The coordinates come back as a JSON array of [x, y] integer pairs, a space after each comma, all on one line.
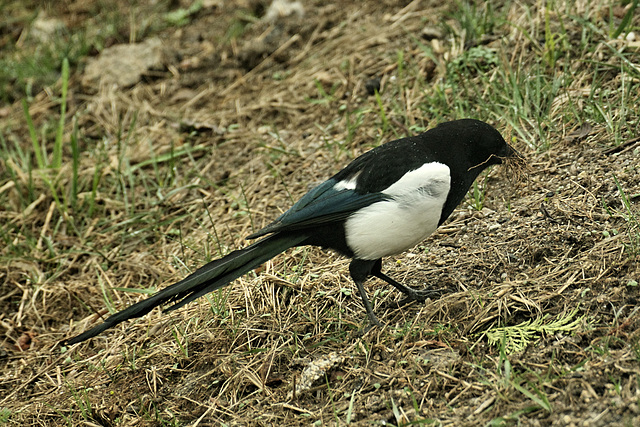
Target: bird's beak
[[510, 155], [513, 154]]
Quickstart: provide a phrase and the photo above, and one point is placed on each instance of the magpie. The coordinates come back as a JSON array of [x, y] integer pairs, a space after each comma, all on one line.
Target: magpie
[[384, 202]]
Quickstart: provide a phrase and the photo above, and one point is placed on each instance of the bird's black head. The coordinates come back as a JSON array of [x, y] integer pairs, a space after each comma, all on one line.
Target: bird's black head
[[468, 147], [478, 145]]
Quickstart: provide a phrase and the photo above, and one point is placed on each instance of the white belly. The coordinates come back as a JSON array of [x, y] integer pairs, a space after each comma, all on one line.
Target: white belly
[[392, 226]]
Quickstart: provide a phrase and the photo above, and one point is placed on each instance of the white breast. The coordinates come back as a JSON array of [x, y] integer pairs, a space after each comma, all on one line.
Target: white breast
[[393, 226]]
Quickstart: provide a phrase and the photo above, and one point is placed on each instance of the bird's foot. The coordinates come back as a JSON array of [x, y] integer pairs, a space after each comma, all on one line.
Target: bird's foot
[[419, 295], [422, 294]]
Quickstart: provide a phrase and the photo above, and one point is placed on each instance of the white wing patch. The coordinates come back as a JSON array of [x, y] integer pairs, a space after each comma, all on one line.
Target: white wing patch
[[392, 226], [347, 184]]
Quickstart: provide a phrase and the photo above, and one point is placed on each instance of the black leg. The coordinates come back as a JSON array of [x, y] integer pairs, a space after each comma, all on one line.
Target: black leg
[[411, 293], [367, 305], [360, 270]]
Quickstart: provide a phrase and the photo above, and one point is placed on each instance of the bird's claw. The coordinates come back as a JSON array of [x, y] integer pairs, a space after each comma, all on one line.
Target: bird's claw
[[420, 295]]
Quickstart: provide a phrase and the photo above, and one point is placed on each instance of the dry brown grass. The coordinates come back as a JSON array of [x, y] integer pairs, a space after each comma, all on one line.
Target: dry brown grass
[[282, 346]]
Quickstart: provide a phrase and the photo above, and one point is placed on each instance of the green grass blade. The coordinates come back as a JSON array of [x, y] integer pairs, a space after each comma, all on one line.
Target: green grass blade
[[625, 20], [538, 397], [56, 162], [33, 135], [75, 155]]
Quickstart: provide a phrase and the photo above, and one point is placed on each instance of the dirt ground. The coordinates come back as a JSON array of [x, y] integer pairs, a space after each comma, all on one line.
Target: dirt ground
[[240, 118]]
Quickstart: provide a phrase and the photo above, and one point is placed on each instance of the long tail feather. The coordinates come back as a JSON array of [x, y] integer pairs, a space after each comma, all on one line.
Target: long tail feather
[[207, 278]]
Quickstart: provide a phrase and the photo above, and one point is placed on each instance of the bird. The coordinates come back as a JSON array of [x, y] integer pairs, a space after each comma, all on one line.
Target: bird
[[383, 203]]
